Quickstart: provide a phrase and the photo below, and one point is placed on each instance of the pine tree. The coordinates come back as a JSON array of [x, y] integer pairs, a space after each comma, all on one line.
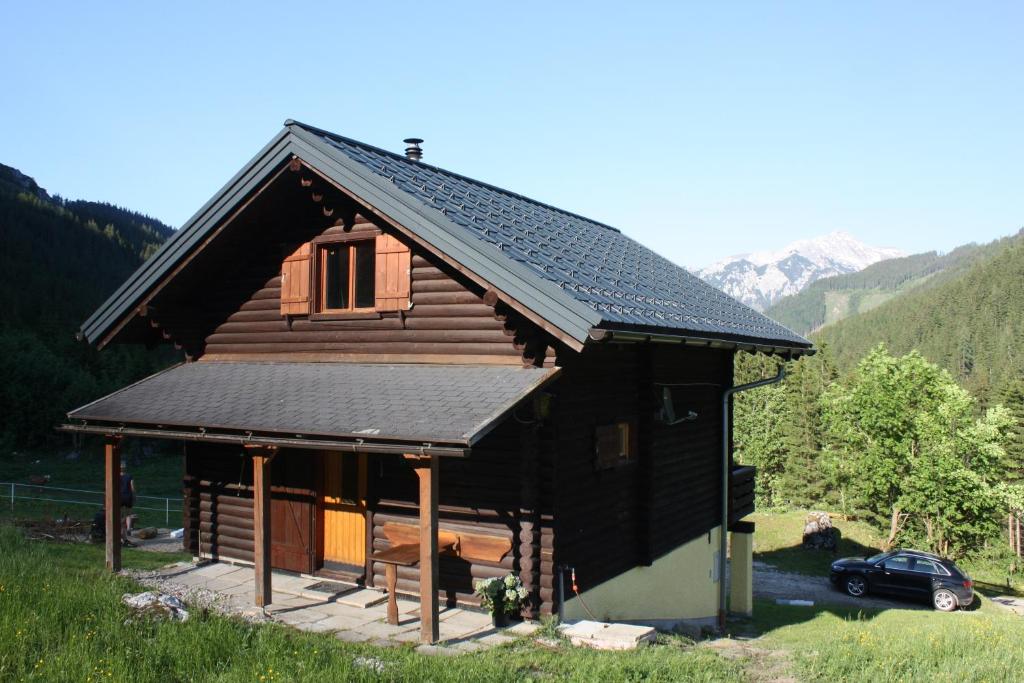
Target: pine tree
[[802, 482], [1012, 399]]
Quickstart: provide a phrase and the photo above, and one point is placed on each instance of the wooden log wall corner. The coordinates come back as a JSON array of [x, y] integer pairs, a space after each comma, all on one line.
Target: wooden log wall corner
[[529, 518], [527, 338], [190, 343]]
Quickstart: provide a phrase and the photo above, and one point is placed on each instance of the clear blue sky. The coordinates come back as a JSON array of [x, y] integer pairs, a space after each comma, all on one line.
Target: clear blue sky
[[700, 129]]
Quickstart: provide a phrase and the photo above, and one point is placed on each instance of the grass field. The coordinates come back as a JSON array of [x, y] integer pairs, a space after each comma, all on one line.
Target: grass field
[[157, 473], [893, 645], [61, 619]]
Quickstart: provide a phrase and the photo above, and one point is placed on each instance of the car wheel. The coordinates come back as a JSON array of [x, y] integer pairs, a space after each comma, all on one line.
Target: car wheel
[[856, 586], [944, 600]]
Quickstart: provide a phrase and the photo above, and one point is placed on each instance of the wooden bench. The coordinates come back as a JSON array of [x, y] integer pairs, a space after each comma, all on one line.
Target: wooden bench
[[405, 552]]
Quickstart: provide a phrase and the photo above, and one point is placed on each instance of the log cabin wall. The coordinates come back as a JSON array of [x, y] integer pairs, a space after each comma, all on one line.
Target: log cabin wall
[[227, 303], [218, 513], [481, 495], [446, 320], [596, 510], [685, 484], [608, 521]]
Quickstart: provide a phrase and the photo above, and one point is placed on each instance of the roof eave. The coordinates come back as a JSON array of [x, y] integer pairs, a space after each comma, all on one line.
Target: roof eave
[[770, 346], [246, 438]]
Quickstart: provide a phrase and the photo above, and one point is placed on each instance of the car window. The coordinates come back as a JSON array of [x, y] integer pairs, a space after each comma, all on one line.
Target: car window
[[880, 556], [898, 562], [929, 567]]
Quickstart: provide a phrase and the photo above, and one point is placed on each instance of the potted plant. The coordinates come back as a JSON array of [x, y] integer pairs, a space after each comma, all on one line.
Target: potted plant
[[502, 597]]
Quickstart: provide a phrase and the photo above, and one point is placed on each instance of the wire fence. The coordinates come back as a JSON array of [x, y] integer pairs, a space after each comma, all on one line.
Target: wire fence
[[51, 494]]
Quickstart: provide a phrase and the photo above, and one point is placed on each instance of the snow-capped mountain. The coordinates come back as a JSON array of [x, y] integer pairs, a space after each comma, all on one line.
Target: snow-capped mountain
[[762, 278]]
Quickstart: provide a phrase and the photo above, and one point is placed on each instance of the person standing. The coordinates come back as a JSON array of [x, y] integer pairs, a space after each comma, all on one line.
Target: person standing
[[127, 502]]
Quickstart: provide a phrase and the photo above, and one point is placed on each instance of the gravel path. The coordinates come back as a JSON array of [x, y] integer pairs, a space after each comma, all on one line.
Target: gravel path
[[773, 584]]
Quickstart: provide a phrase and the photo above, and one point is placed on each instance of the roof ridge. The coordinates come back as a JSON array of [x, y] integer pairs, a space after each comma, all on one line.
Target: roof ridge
[[399, 157]]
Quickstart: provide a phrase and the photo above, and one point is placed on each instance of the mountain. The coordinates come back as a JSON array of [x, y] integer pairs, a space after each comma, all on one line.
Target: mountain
[[760, 279], [834, 298], [970, 320], [60, 260]]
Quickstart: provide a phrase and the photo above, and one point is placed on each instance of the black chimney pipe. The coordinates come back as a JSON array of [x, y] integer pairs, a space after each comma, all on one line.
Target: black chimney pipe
[[413, 151]]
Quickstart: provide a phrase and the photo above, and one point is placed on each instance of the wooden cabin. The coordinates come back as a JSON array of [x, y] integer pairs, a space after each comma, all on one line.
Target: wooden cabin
[[383, 354]]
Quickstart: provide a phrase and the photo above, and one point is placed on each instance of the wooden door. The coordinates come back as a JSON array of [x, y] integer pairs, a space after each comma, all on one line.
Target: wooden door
[[344, 511], [292, 510]]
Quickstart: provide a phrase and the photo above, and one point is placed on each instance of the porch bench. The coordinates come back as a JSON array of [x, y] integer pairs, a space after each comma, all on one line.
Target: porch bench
[[405, 552]]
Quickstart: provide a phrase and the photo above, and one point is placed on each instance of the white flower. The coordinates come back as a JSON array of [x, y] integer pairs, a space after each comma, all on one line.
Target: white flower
[[522, 593], [511, 596], [510, 581]]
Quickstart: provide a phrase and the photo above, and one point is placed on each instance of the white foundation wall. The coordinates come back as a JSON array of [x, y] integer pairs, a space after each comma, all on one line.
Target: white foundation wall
[[679, 586]]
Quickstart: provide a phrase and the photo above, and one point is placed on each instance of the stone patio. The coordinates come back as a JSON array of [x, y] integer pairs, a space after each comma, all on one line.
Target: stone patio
[[352, 613]]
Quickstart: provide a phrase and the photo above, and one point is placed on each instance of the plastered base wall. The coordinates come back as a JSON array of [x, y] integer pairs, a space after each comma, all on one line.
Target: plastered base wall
[[679, 586]]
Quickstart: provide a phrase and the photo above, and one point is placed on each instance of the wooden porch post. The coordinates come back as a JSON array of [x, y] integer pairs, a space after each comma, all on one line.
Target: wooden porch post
[[427, 470], [112, 501], [261, 458]]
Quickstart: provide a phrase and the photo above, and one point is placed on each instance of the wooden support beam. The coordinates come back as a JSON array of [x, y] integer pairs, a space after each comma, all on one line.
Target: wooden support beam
[[427, 470], [112, 501], [261, 457]]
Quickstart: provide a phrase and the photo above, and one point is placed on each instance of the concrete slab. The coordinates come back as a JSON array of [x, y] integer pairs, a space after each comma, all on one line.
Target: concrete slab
[[303, 616], [383, 631], [605, 636], [357, 616], [315, 627], [345, 622], [216, 569], [352, 636], [523, 628]]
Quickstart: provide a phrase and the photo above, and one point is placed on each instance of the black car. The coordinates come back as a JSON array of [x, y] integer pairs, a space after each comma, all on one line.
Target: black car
[[907, 574]]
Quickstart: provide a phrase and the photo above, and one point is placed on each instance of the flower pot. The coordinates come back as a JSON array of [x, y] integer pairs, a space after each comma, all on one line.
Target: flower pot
[[499, 618]]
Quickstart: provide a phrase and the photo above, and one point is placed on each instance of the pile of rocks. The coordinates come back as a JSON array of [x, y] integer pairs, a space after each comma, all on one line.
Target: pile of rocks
[[819, 534], [155, 604]]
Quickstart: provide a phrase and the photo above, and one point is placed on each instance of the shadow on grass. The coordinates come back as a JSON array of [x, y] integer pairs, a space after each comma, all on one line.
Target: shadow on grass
[[770, 616], [800, 560]]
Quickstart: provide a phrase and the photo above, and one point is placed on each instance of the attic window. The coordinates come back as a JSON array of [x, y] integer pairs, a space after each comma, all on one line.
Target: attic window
[[343, 275], [347, 276]]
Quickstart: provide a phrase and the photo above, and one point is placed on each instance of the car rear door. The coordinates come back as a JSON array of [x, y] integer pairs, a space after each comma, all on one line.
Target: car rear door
[[926, 572]]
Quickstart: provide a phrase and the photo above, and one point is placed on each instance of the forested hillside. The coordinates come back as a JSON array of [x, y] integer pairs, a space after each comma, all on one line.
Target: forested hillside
[[833, 299], [60, 260], [971, 323]]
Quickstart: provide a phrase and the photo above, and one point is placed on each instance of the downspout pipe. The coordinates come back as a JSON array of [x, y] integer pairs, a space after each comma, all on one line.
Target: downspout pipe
[[726, 421]]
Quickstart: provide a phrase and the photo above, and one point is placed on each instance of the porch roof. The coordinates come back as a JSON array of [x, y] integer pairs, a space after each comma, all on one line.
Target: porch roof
[[317, 402]]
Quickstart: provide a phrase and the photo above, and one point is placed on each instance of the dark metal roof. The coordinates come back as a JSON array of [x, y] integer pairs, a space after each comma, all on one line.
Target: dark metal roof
[[626, 283], [408, 403], [573, 272]]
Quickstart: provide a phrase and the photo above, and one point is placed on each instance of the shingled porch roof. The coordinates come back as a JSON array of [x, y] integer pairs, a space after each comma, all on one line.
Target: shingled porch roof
[[323, 403]]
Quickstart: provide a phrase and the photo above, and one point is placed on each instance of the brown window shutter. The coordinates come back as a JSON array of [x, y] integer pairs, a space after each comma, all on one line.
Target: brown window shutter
[[295, 281], [393, 277]]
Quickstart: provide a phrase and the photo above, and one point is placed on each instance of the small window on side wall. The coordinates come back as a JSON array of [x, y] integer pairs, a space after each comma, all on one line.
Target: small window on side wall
[[347, 276], [615, 445]]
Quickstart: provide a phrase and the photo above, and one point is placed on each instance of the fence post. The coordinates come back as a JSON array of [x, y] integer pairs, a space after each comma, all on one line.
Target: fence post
[[167, 511], [12, 496]]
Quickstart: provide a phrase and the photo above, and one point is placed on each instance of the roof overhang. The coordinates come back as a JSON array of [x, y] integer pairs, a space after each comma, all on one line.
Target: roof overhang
[[604, 335], [374, 408], [567, 319]]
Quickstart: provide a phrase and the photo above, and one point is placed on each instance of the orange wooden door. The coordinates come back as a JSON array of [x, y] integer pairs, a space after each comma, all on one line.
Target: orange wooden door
[[344, 505]]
